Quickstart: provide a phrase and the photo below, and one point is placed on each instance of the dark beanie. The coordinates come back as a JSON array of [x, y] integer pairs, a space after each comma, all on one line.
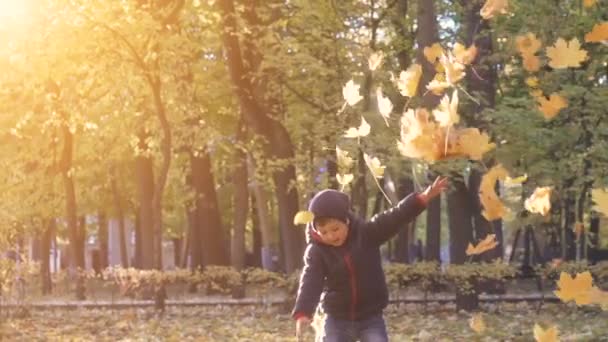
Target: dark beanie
[[330, 203]]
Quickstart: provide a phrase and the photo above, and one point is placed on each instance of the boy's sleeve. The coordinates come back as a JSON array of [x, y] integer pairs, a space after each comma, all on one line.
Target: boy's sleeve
[[385, 225], [311, 284]]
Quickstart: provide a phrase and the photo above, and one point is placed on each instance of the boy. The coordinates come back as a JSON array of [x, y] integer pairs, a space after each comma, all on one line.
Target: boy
[[342, 262]]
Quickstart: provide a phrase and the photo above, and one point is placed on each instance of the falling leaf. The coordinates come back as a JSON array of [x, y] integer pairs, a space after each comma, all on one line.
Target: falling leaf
[[541, 335], [303, 217], [343, 160], [576, 289], [438, 85], [473, 143], [464, 55], [493, 208], [409, 79], [598, 34], [566, 54], [517, 180], [477, 324], [454, 70], [360, 132], [600, 198], [551, 107], [531, 63], [484, 245], [528, 44], [374, 60], [589, 3], [344, 179], [540, 201], [351, 93], [433, 52], [420, 137], [532, 82], [492, 7], [376, 168], [385, 106], [446, 113]]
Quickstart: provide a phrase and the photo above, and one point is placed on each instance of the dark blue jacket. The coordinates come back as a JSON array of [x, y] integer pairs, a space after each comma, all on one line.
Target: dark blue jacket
[[350, 278]]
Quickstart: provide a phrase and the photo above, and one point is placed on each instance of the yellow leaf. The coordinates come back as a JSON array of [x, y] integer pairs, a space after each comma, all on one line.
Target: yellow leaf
[[420, 136], [303, 217], [446, 113], [577, 289], [597, 296], [376, 168], [566, 54], [350, 91], [454, 70], [532, 82], [477, 324], [344, 179], [433, 52], [464, 55], [374, 60], [492, 7], [360, 132], [493, 208], [600, 198], [343, 160], [528, 44], [589, 3], [598, 34], [409, 79], [438, 85], [549, 335], [473, 143], [385, 106], [551, 107], [540, 201], [516, 180], [484, 245]]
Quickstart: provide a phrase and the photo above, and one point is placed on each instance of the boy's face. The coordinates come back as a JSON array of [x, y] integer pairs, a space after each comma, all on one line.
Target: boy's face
[[333, 232]]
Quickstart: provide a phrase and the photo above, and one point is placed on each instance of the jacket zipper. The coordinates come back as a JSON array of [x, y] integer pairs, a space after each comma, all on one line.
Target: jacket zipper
[[353, 284]]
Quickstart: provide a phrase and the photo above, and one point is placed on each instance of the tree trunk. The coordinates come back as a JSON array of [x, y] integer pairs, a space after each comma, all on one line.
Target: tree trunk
[[241, 206], [459, 221], [264, 222], [279, 143], [120, 216], [195, 241], [145, 186], [45, 249], [102, 236], [137, 262], [426, 35], [207, 211], [433, 230], [359, 197], [177, 250], [256, 232]]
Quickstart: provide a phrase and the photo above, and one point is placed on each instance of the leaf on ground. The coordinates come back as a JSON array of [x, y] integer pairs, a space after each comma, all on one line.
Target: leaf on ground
[[477, 323], [542, 335]]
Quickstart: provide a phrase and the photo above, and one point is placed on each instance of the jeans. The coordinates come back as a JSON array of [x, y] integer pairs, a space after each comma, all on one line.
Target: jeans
[[371, 329]]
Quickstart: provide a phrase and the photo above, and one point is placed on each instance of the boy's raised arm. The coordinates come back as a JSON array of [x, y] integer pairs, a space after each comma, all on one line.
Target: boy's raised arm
[[311, 284]]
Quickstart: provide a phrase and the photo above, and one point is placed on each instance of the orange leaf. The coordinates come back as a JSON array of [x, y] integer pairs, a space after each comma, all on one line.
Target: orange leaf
[[598, 34], [541, 335], [550, 107], [540, 201], [492, 7], [493, 207], [484, 245], [576, 289], [528, 44], [433, 52], [564, 55], [464, 55], [589, 3], [531, 62], [472, 143]]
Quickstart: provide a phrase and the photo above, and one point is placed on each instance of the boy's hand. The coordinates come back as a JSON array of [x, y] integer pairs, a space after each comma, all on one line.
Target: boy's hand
[[301, 324], [433, 190]]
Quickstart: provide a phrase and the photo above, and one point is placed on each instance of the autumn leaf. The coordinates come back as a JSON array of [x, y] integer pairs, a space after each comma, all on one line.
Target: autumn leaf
[[517, 180], [550, 107], [600, 199], [477, 324], [344, 179], [493, 7], [589, 3], [454, 70], [549, 335], [303, 217], [531, 63], [409, 79], [420, 137], [484, 245], [566, 54], [493, 208], [576, 289], [464, 55], [343, 160], [473, 143], [376, 168], [598, 34], [362, 131], [540, 201], [385, 106], [446, 113], [532, 82], [374, 60], [438, 85], [433, 52], [528, 44], [350, 91]]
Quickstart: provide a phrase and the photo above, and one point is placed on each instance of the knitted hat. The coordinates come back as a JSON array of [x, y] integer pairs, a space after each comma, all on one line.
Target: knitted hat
[[330, 203]]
